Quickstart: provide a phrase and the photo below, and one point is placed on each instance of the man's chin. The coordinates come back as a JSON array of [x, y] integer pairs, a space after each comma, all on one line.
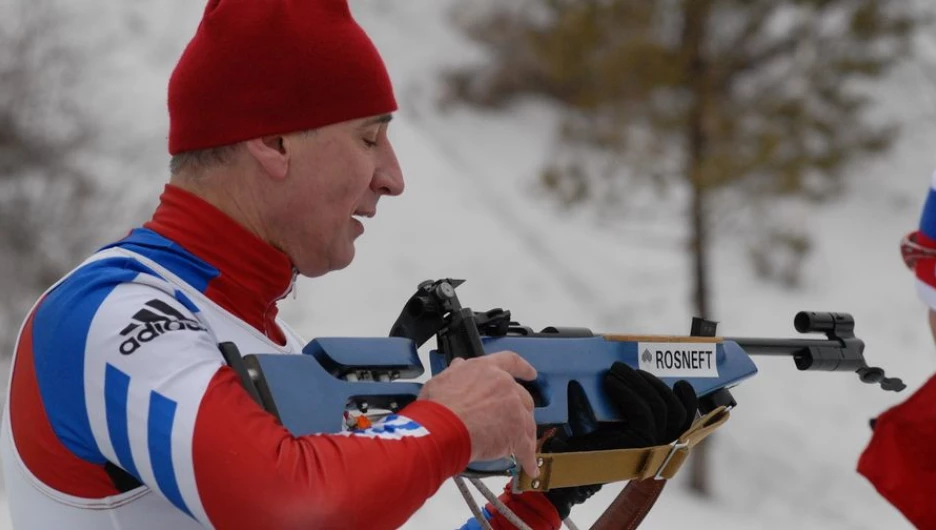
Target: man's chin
[[334, 261], [343, 260], [316, 271]]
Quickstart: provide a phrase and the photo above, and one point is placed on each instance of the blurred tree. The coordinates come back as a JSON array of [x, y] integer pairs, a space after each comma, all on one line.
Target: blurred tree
[[46, 218], [760, 100]]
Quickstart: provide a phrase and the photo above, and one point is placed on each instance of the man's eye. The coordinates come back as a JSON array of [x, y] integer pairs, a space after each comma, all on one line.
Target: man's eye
[[370, 143]]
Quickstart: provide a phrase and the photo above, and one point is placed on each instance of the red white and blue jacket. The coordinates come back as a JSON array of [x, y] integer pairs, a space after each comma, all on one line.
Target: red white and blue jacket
[[899, 460], [121, 413]]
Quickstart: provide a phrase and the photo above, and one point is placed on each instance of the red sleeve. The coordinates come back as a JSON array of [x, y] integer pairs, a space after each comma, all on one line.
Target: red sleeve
[[532, 507], [252, 473], [900, 462]]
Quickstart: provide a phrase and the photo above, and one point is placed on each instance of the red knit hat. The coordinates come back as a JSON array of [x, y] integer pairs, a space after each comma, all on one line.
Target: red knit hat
[[262, 67]]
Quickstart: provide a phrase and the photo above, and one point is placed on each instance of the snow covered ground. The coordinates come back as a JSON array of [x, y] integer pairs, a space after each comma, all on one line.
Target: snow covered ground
[[786, 459]]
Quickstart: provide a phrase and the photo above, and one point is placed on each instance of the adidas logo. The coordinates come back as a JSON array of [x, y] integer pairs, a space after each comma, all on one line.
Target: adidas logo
[[153, 321]]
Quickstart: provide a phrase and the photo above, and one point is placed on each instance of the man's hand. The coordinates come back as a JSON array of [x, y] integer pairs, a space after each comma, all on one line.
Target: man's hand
[[497, 411], [652, 414]]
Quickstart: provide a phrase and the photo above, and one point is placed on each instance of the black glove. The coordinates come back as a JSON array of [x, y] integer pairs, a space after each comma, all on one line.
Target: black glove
[[652, 414]]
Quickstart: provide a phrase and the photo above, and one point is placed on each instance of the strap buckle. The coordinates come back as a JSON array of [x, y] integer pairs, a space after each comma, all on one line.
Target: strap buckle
[[676, 446]]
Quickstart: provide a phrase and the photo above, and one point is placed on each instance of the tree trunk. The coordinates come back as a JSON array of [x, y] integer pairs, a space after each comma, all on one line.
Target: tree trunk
[[699, 476], [694, 36]]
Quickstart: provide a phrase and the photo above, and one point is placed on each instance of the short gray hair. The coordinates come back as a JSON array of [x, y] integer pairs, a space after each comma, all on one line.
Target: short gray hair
[[197, 161]]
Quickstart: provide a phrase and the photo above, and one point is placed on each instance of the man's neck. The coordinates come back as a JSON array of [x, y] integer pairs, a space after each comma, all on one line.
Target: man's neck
[[226, 188]]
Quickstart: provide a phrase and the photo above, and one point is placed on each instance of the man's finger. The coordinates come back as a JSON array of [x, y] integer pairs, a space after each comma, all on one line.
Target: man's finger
[[690, 402], [635, 411], [622, 377], [673, 414], [513, 364], [525, 452], [456, 361]]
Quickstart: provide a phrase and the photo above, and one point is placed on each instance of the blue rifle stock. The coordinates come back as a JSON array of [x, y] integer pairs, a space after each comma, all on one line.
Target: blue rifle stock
[[310, 393]]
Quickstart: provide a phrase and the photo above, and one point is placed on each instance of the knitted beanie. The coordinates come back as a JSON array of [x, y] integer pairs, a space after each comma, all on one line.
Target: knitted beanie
[[265, 67]]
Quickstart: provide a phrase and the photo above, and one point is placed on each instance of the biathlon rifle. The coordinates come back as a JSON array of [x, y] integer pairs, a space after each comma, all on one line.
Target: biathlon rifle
[[315, 392]]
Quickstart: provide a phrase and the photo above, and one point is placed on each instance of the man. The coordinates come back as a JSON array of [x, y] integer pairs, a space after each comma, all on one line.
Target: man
[[899, 461], [121, 412]]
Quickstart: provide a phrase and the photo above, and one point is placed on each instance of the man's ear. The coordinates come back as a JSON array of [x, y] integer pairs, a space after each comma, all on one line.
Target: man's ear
[[270, 152]]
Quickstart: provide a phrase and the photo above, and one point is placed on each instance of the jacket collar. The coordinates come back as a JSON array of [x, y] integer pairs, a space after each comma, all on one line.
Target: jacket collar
[[253, 275]]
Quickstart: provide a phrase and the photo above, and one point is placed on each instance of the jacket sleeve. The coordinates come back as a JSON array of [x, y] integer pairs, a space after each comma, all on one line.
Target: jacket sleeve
[[156, 400], [899, 459], [533, 508]]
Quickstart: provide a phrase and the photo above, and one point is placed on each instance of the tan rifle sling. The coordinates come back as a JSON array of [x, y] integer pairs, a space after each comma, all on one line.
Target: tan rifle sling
[[646, 468]]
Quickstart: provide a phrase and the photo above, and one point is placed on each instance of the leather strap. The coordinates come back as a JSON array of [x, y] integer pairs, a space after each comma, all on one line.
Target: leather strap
[[561, 470], [630, 506]]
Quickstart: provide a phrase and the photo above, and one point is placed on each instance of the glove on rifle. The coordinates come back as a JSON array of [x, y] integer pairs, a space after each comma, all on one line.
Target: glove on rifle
[[652, 413]]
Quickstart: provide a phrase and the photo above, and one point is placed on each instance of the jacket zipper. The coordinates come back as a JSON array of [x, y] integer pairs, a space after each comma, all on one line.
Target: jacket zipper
[[290, 289]]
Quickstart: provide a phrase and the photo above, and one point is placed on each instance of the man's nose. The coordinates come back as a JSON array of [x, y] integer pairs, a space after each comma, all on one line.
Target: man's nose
[[388, 177]]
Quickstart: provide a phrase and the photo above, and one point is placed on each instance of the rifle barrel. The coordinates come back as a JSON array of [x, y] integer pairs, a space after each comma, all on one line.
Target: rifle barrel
[[781, 347]]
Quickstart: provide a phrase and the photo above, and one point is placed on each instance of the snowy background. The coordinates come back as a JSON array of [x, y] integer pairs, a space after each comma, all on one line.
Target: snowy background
[[787, 457]]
